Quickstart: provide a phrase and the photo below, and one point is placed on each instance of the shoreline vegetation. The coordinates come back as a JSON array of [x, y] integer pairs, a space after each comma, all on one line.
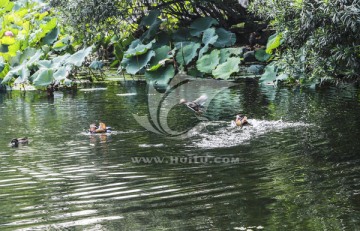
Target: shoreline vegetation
[[204, 39]]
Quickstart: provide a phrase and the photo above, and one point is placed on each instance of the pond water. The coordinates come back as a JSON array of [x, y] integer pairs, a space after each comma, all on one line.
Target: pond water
[[296, 168]]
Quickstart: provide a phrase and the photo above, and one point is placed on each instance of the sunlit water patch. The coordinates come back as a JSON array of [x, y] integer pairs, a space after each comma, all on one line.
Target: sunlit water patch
[[225, 134]]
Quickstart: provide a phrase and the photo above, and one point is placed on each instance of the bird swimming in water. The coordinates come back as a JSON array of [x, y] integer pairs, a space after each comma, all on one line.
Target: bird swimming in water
[[16, 141], [196, 105], [241, 120], [102, 128]]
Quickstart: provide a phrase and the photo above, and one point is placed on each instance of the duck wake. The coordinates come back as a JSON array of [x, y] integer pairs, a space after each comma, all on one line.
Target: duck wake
[[231, 135]]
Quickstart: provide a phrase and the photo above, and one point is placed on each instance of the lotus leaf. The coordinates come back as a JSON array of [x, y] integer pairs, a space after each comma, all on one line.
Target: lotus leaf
[[24, 75], [136, 63], [7, 40], [161, 55], [44, 64], [261, 55], [201, 24], [187, 53], [137, 48], [181, 35], [79, 57], [224, 70], [274, 41], [96, 65], [150, 19], [161, 76], [228, 52], [209, 37], [225, 38], [5, 68], [269, 75], [150, 33], [61, 74], [44, 78], [4, 3], [51, 37], [208, 63]]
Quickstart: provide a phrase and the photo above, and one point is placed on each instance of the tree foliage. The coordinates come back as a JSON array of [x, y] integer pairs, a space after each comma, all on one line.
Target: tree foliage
[[319, 38]]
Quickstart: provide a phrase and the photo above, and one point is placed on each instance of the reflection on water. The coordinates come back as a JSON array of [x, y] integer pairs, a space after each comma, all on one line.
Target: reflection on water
[[298, 165]]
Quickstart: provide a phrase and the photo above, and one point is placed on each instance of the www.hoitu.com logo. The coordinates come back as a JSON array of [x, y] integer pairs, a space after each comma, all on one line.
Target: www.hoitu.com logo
[[160, 104]]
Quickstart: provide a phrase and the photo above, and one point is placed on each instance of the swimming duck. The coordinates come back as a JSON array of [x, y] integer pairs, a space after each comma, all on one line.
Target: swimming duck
[[99, 129], [16, 141], [241, 120], [196, 105]]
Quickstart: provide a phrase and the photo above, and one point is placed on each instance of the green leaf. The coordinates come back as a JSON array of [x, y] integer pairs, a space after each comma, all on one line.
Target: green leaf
[[274, 41], [224, 70], [161, 55], [181, 35], [4, 3], [79, 57], [136, 63], [96, 65], [208, 63], [51, 37], [44, 64], [187, 53], [201, 24], [61, 74], [62, 44], [269, 75], [151, 32], [226, 53], [225, 38], [137, 48], [209, 37], [44, 78], [261, 55], [162, 76], [5, 68], [150, 19]]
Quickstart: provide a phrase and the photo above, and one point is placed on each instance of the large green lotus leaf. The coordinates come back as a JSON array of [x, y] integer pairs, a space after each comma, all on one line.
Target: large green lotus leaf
[[61, 74], [24, 75], [269, 75], [162, 39], [201, 24], [228, 52], [62, 44], [161, 55], [137, 63], [22, 56], [225, 38], [150, 19], [162, 76], [79, 57], [274, 41], [261, 55], [181, 35], [209, 37], [4, 48], [224, 70], [58, 61], [4, 3], [137, 48], [16, 71], [44, 78], [96, 65], [151, 32], [32, 62], [187, 53], [5, 68], [51, 37], [44, 64], [208, 63]]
